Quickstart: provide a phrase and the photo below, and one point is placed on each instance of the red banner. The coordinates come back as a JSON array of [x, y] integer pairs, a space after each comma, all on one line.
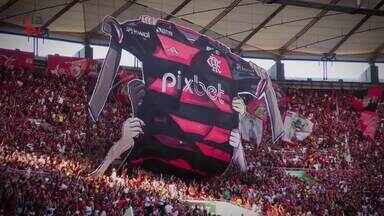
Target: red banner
[[368, 123], [15, 60], [72, 66]]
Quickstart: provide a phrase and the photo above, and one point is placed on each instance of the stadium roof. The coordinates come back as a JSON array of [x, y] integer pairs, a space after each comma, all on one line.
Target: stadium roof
[[285, 29]]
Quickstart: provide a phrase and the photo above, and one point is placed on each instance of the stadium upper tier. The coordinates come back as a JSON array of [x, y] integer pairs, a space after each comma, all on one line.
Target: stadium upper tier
[[285, 29]]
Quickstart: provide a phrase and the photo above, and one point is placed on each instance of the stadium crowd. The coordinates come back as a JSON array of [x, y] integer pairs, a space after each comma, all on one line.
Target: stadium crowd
[[48, 147]]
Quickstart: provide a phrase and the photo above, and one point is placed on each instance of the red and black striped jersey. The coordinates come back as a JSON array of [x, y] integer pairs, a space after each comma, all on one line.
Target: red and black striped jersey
[[190, 82]]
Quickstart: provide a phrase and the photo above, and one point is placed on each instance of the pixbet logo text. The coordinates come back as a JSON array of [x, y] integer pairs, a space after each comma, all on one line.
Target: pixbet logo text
[[193, 86]]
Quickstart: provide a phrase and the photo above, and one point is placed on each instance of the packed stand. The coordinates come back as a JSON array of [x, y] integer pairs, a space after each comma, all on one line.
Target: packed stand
[[49, 147]]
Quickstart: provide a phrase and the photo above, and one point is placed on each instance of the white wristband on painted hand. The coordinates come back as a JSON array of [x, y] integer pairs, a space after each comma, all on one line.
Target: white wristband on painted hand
[[234, 139]]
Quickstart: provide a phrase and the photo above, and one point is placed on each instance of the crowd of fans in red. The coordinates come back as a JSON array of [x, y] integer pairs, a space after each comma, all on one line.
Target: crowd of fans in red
[[48, 147]]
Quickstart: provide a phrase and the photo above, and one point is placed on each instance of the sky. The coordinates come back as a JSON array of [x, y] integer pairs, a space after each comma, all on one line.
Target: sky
[[300, 70]]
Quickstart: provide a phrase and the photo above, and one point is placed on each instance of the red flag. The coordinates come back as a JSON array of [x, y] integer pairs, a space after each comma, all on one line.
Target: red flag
[[72, 66], [15, 59], [368, 123], [357, 103], [375, 91], [30, 30]]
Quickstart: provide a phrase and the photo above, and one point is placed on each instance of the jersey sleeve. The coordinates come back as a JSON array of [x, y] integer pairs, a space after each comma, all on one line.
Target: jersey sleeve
[[109, 68]]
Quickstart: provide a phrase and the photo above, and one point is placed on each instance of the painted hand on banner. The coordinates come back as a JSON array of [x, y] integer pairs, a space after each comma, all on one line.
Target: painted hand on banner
[[148, 20], [239, 106], [132, 128]]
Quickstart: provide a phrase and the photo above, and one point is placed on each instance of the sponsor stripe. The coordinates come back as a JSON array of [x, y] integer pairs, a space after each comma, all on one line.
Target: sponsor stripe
[[151, 147], [173, 142], [175, 51], [213, 152], [162, 103], [218, 135], [190, 126]]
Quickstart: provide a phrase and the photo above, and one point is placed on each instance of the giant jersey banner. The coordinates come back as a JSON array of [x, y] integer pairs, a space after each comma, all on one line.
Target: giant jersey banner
[[190, 81]]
